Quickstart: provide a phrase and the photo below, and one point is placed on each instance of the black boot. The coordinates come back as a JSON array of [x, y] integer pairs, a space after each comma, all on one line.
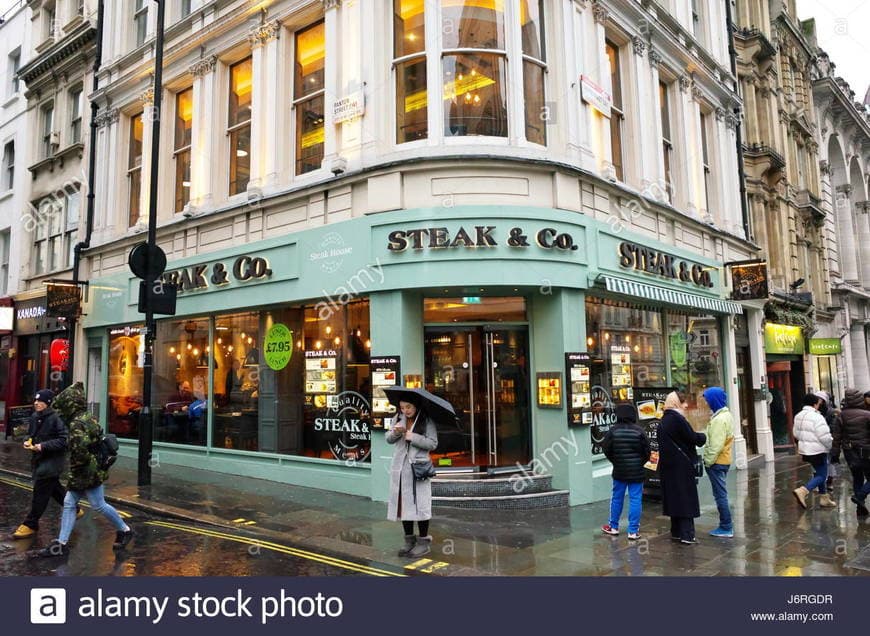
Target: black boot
[[122, 538], [423, 547], [410, 542]]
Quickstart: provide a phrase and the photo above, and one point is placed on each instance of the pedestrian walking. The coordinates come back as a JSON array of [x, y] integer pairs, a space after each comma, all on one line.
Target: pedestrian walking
[[627, 447], [678, 469], [717, 456], [814, 443], [85, 477], [47, 442], [832, 416], [414, 435], [853, 437]]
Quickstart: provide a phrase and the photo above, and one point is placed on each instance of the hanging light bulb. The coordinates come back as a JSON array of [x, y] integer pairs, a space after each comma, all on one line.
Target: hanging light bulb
[[298, 344], [243, 335], [189, 346], [337, 341], [230, 348], [171, 349], [250, 340], [368, 344], [220, 340], [207, 349], [196, 352], [318, 344], [178, 356], [328, 330], [590, 341]]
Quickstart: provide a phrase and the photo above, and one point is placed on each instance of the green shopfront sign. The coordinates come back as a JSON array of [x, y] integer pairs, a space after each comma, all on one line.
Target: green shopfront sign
[[278, 346], [825, 346], [783, 339]]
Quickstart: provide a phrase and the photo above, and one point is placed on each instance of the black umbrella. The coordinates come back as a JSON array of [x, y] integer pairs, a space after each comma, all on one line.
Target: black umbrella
[[439, 409]]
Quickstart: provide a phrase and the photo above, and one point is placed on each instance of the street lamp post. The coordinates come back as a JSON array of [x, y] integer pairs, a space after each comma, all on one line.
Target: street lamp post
[[146, 424]]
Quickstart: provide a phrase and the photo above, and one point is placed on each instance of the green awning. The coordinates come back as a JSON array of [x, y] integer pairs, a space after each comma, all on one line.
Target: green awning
[[671, 296]]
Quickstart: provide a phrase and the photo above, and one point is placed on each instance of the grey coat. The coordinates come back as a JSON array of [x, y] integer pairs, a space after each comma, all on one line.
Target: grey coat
[[402, 478]]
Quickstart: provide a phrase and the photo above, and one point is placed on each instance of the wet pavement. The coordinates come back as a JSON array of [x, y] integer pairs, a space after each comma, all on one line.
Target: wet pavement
[[773, 536]]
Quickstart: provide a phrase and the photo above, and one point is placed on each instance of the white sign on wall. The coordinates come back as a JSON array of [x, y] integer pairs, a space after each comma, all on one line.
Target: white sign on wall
[[349, 107], [595, 96]]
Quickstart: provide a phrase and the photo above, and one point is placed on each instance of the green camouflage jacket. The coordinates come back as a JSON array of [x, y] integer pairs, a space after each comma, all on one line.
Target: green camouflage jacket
[[84, 432]]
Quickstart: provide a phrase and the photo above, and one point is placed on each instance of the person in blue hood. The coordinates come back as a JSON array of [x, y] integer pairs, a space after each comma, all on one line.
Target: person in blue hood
[[717, 456]]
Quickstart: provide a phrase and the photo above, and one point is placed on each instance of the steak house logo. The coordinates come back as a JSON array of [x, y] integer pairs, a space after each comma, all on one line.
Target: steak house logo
[[650, 261], [348, 425], [243, 270], [480, 236]]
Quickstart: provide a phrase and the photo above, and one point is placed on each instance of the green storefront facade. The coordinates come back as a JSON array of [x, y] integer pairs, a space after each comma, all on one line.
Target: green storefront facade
[[479, 304]]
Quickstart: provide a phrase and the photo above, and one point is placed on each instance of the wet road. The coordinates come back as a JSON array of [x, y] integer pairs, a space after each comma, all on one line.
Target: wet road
[[160, 547]]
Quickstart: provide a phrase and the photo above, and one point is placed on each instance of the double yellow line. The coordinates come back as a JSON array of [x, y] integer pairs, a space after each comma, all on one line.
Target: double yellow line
[[82, 502], [277, 547]]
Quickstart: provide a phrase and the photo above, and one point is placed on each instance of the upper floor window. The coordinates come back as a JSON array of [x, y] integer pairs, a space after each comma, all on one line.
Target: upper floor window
[[75, 102], [49, 136], [183, 136], [55, 229], [140, 20], [4, 262], [667, 144], [49, 24], [80, 7], [239, 125], [534, 69], [409, 62], [617, 114], [8, 165], [308, 97], [13, 65], [134, 169], [185, 8], [705, 160]]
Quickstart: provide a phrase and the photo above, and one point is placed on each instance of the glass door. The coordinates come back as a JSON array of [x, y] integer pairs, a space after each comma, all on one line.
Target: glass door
[[483, 373]]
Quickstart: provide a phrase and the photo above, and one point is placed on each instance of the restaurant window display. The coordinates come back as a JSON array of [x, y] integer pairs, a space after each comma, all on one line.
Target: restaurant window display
[[126, 380], [626, 348], [236, 380], [695, 352]]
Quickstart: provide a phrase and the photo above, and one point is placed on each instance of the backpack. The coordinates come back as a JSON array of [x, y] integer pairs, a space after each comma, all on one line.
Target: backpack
[[105, 450]]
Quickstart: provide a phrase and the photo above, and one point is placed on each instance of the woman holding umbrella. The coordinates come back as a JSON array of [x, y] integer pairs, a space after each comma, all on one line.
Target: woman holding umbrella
[[414, 435]]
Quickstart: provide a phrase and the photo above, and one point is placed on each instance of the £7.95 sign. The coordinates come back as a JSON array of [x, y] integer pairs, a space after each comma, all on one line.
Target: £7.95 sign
[[278, 346]]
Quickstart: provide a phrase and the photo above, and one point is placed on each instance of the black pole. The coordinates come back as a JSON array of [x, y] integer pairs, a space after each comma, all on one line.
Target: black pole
[[741, 174], [92, 162], [146, 424]]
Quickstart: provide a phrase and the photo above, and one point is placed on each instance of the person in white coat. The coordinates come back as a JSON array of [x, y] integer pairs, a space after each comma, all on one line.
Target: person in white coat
[[814, 444], [414, 435]]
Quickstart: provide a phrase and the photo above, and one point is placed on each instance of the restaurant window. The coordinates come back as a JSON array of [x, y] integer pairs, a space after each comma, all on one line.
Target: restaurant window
[[534, 69], [474, 68], [617, 114], [409, 62], [667, 144], [181, 381], [308, 97], [239, 125], [183, 135], [126, 380], [695, 353], [626, 348], [134, 170]]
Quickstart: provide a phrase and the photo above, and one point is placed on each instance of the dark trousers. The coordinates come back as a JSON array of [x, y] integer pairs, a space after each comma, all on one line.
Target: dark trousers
[[683, 528], [860, 469], [409, 527], [43, 491]]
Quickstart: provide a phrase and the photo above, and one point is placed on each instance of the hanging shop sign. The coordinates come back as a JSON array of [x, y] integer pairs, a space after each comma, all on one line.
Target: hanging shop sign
[[651, 261], [579, 397], [749, 281], [595, 96], [62, 300], [207, 276], [783, 339], [479, 236], [384, 371], [278, 346], [826, 346]]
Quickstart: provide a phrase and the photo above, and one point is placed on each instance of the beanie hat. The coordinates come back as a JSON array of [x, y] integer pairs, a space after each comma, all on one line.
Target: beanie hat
[[626, 414], [44, 395]]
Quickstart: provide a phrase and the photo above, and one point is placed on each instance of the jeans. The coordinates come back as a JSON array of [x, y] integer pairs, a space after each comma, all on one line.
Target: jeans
[[44, 490], [635, 490], [820, 476], [717, 474], [98, 504]]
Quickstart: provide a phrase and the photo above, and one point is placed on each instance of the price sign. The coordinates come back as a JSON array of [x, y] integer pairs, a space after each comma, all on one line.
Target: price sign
[[278, 346]]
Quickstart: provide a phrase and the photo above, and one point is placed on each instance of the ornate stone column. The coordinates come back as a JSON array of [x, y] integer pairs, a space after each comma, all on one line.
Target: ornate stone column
[[846, 233], [148, 114], [203, 133], [861, 211], [264, 105]]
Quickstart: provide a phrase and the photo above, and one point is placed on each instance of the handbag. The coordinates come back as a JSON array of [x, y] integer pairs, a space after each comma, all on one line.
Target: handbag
[[423, 470], [697, 463]]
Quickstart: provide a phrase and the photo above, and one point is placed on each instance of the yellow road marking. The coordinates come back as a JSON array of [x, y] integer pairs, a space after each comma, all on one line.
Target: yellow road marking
[[239, 520], [418, 564], [435, 566], [82, 502], [276, 547]]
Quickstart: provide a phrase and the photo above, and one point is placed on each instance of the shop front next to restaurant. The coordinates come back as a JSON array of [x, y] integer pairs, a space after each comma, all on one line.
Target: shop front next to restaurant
[[533, 323]]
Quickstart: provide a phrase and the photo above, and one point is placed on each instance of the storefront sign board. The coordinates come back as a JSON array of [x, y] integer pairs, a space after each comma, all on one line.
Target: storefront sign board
[[480, 236], [278, 346], [826, 346], [783, 339], [658, 263], [19, 418], [62, 301], [749, 281]]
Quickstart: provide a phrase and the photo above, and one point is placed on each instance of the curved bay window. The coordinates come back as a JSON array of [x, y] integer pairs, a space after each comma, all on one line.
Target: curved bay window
[[308, 97], [409, 62], [485, 45]]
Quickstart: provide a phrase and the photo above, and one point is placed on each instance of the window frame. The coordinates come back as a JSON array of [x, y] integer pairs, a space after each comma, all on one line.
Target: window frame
[[298, 102], [402, 61], [232, 130], [5, 238], [54, 234], [617, 110], [706, 163], [667, 144], [134, 172], [182, 153], [76, 111], [9, 165], [527, 59], [46, 115], [14, 64], [140, 22]]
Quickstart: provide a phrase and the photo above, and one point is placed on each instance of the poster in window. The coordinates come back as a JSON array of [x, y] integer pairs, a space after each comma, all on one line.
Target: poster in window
[[579, 390], [320, 375], [621, 374], [385, 371]]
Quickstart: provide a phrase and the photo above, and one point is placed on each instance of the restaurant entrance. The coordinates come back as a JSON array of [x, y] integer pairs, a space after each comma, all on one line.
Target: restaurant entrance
[[483, 371]]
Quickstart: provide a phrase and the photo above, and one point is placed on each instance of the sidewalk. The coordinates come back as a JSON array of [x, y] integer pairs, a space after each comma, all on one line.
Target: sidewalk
[[773, 536]]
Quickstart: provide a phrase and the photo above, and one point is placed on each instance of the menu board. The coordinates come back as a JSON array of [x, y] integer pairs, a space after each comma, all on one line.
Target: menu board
[[650, 403], [621, 375], [577, 373], [385, 371], [321, 368], [18, 418]]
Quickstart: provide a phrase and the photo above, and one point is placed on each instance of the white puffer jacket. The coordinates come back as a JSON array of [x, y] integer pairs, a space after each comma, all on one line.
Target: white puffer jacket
[[812, 432]]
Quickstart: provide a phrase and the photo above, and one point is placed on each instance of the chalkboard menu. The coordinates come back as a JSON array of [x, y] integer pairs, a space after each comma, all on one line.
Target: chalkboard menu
[[650, 403], [19, 417]]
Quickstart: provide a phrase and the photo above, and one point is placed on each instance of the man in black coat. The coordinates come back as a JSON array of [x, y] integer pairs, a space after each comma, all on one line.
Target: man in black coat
[[47, 438], [627, 447], [853, 436]]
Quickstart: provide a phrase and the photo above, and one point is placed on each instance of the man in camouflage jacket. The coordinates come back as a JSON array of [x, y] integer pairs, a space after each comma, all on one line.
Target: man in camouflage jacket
[[85, 479]]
